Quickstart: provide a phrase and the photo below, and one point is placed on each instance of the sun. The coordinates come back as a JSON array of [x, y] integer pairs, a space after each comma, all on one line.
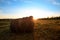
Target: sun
[[36, 13], [35, 18]]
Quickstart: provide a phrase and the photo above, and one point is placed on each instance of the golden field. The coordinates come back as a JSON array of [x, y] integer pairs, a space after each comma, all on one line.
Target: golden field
[[43, 30], [47, 29]]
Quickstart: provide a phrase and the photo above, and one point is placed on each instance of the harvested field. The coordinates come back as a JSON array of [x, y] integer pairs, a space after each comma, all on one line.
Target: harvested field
[[43, 30]]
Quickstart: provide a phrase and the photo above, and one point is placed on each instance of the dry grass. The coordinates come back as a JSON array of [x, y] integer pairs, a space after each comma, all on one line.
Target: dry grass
[[47, 30], [44, 30], [6, 34]]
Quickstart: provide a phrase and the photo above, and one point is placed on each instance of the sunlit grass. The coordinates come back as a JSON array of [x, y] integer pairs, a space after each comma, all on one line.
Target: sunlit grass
[[44, 30]]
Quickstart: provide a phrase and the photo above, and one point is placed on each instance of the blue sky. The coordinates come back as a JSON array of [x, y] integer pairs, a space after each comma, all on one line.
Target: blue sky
[[22, 8]]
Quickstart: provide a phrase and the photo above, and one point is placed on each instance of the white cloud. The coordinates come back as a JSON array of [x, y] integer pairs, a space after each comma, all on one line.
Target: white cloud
[[54, 2]]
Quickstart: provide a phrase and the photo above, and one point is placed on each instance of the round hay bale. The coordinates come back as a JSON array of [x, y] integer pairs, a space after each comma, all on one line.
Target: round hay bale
[[25, 24]]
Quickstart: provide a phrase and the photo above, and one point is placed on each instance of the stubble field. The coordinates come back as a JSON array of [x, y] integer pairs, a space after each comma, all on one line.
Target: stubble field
[[43, 30]]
